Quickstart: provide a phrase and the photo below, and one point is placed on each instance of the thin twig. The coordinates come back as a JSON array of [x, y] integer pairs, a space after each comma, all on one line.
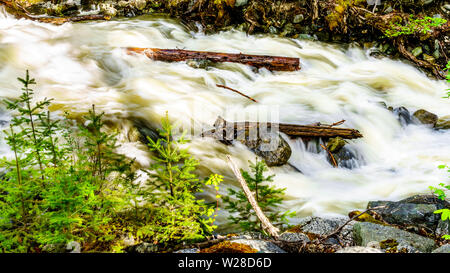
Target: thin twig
[[353, 218], [331, 155], [234, 90], [267, 226]]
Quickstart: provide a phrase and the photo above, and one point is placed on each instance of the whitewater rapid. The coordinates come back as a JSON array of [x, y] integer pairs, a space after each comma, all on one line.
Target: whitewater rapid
[[82, 64]]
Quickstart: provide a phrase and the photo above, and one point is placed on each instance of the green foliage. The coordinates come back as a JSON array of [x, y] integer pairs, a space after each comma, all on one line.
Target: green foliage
[[55, 189], [268, 198], [66, 183], [448, 79], [177, 214], [413, 26], [445, 213]]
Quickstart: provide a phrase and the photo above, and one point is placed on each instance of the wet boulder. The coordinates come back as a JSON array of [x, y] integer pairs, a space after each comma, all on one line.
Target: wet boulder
[[403, 115], [141, 131], [443, 123], [323, 226], [425, 117], [415, 211], [346, 158], [443, 249], [335, 144], [271, 147], [365, 232]]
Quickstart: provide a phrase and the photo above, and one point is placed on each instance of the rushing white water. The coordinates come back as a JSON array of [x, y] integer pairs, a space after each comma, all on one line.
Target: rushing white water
[[84, 63]]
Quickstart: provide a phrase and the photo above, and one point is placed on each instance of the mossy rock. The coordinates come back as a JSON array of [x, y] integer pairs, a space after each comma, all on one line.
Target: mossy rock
[[334, 145], [425, 117], [443, 123], [364, 217], [229, 247]]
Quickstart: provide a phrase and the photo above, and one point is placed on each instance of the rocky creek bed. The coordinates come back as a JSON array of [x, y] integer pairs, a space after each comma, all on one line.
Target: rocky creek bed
[[351, 21]]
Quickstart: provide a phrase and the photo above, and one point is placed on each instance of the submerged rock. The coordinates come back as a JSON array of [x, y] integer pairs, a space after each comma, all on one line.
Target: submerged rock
[[141, 131], [425, 117], [403, 115], [368, 232], [346, 158], [417, 211]]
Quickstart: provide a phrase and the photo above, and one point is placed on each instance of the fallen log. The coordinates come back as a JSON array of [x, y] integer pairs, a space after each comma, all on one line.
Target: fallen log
[[20, 12], [292, 130], [272, 63]]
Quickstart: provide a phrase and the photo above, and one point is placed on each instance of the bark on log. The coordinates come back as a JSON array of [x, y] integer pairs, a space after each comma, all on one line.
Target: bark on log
[[19, 12], [292, 130], [266, 225], [272, 63]]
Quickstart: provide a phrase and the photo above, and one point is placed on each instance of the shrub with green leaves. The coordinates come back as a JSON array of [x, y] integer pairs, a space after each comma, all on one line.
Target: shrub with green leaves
[[55, 189], [445, 213], [441, 194], [177, 214], [413, 26], [268, 198]]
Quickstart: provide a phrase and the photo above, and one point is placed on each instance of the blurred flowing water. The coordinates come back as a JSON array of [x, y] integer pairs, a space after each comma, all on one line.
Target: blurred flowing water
[[84, 63]]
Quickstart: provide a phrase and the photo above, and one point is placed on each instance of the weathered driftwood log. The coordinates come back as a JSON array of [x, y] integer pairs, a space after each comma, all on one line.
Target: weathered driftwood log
[[272, 63], [19, 12], [266, 225], [293, 130]]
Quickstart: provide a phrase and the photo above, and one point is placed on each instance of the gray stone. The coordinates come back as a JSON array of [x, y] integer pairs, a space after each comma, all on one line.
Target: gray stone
[[425, 117], [298, 18], [143, 248], [288, 30], [403, 115], [359, 249], [140, 4], [442, 249], [73, 247], [324, 226], [188, 250], [443, 228], [446, 6], [443, 123], [273, 30], [402, 246], [346, 158], [417, 211], [54, 248], [141, 131], [260, 245], [365, 232], [240, 3], [294, 237], [417, 51], [271, 147]]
